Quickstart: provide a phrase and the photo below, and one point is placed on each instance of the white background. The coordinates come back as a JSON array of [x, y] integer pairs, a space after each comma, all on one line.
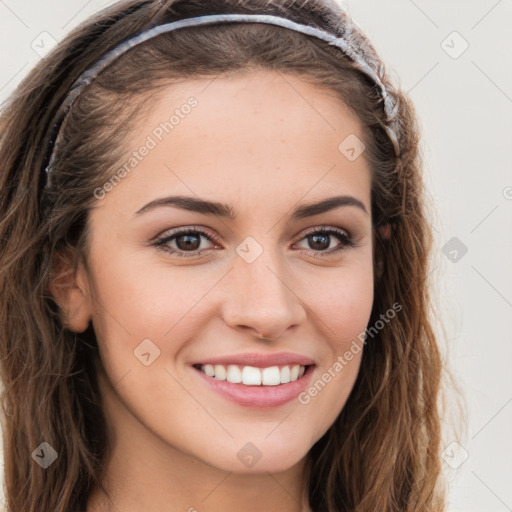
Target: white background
[[464, 104]]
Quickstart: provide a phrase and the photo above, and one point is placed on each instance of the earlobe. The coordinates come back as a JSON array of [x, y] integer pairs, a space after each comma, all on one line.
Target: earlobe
[[68, 287], [385, 231]]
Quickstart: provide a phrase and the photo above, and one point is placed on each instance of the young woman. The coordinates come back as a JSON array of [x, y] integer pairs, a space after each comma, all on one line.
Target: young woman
[[214, 252]]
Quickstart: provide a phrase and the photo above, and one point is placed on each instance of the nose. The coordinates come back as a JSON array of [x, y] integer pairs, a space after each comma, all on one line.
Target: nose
[[261, 298]]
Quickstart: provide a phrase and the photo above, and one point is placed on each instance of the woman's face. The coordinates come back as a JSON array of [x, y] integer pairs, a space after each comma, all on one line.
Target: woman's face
[[252, 277]]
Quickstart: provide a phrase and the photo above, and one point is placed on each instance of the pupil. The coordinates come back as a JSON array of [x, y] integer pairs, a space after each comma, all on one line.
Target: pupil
[[187, 244], [316, 237]]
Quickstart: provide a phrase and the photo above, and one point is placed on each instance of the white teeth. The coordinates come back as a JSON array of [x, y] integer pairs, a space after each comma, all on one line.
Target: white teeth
[[271, 376], [285, 375], [209, 370], [220, 372], [234, 374], [252, 376]]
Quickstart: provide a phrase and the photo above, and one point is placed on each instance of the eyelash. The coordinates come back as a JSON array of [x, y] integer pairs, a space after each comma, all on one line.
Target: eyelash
[[343, 236]]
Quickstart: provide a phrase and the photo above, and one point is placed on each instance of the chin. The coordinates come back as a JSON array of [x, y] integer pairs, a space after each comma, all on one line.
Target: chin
[[249, 459]]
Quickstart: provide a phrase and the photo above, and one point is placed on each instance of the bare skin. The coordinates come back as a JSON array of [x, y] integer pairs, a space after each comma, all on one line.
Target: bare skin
[[264, 143]]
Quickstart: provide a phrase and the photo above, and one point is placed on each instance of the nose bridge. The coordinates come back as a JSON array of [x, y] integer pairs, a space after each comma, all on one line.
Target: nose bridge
[[260, 295]]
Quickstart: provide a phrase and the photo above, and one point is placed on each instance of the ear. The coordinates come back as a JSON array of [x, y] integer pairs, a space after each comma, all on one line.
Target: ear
[[69, 288]]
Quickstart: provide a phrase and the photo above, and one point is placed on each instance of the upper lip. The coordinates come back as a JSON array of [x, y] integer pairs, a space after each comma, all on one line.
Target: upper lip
[[260, 360]]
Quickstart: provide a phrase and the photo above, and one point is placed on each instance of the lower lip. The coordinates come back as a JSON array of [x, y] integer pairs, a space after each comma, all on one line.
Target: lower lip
[[258, 396]]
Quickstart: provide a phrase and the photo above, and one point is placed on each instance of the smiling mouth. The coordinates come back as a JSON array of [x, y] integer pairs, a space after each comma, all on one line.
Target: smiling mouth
[[252, 375]]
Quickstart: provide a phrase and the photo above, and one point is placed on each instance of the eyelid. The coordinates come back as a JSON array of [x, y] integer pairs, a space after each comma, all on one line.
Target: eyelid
[[183, 229], [215, 238], [347, 241], [324, 227]]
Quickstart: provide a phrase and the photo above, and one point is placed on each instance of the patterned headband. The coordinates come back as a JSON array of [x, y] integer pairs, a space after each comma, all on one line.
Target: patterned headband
[[88, 76]]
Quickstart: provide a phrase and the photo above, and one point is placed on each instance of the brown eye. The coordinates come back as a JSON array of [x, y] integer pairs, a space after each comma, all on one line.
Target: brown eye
[[321, 239], [319, 242], [184, 243], [188, 242]]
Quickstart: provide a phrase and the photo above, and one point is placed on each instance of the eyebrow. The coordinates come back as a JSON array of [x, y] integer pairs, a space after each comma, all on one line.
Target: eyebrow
[[223, 210]]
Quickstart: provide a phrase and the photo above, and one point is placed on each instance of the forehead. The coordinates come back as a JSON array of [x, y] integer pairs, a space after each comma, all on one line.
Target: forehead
[[261, 135]]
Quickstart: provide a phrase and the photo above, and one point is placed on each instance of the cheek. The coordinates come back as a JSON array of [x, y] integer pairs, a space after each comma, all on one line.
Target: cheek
[[136, 302], [343, 307], [349, 311], [143, 299], [344, 300]]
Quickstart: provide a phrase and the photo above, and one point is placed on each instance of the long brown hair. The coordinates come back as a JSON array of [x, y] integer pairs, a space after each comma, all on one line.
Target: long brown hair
[[383, 451]]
